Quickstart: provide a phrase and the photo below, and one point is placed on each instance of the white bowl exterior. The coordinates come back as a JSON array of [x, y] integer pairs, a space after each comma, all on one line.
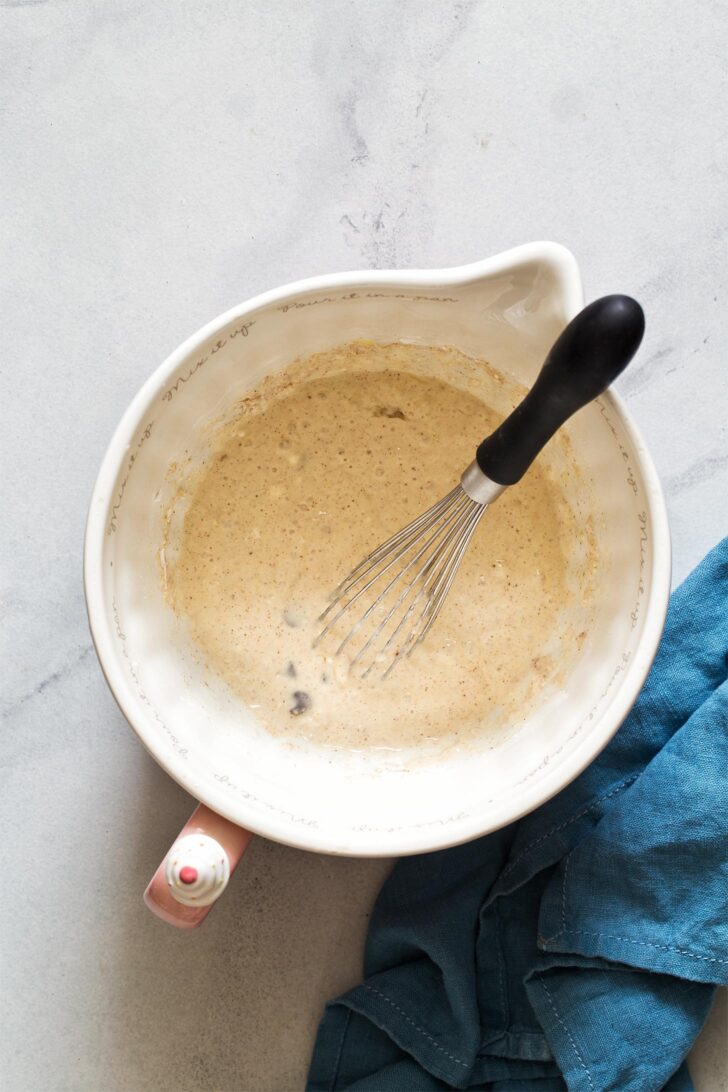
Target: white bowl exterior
[[508, 309]]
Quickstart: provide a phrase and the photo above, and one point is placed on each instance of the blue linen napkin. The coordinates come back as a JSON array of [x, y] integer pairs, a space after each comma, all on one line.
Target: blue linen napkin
[[580, 947]]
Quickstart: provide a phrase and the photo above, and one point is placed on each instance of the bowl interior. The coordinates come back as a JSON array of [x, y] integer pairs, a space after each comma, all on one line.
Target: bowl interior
[[206, 738]]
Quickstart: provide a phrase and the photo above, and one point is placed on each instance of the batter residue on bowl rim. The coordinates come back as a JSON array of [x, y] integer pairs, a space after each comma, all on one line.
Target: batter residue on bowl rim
[[313, 470]]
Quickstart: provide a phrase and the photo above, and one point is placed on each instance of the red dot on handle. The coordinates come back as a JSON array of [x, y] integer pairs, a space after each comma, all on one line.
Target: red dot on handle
[[188, 874]]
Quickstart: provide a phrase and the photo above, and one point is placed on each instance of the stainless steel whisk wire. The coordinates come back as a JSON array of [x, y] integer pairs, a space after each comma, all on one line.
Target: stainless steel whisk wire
[[442, 533]]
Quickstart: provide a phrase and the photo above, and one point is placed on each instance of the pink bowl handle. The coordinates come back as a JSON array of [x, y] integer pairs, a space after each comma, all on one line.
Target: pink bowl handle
[[205, 854]]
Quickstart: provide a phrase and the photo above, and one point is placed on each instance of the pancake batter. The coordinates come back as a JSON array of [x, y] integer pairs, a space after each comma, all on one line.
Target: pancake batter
[[316, 468]]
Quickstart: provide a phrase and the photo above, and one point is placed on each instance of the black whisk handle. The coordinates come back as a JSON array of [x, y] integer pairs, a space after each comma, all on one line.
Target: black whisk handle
[[589, 355]]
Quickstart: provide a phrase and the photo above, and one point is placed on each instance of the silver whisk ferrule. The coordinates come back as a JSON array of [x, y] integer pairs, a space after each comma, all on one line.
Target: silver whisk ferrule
[[401, 586]]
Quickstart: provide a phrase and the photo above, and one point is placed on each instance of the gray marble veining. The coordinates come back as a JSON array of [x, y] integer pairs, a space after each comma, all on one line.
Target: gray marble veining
[[163, 162]]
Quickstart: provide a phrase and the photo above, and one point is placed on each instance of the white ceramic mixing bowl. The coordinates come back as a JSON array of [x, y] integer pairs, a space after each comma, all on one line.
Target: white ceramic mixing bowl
[[508, 309]]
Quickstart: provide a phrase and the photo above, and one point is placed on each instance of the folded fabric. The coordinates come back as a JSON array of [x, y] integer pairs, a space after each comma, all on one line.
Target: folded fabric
[[580, 947]]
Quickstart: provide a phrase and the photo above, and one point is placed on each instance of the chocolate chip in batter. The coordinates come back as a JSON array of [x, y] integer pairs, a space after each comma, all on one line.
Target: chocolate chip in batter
[[389, 411], [291, 670], [301, 702]]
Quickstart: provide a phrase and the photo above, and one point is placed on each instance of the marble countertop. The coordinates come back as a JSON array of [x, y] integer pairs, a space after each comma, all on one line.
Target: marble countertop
[[164, 162]]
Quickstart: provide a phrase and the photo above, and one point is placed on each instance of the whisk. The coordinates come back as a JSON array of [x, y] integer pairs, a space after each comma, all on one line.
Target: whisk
[[400, 587]]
